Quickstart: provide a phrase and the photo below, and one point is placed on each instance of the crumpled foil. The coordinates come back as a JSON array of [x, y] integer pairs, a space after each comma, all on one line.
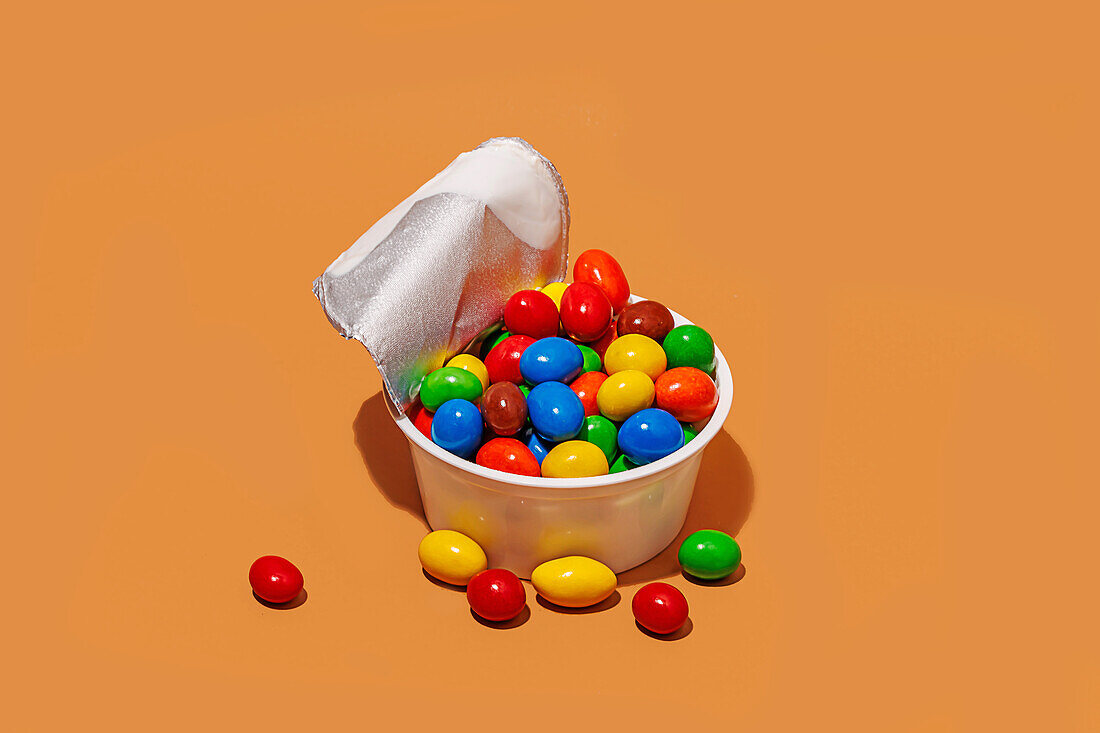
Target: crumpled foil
[[437, 281]]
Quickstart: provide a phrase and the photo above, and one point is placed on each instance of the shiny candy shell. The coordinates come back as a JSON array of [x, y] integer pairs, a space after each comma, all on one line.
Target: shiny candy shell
[[592, 360], [496, 595], [492, 341], [709, 554], [554, 290], [660, 608], [649, 435], [531, 313], [601, 269], [600, 345], [687, 393], [275, 579], [622, 463], [602, 433], [421, 419], [552, 359], [634, 351], [623, 394], [502, 361], [539, 448], [457, 427], [647, 317], [508, 455], [574, 459], [689, 346], [472, 364], [451, 556], [504, 408], [556, 412], [449, 383], [574, 581], [585, 312], [586, 386]]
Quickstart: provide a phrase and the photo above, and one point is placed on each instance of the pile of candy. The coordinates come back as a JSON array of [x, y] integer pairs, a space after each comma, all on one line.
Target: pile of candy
[[567, 389]]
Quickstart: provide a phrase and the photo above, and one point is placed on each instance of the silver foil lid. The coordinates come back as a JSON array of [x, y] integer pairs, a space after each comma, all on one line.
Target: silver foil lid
[[435, 272]]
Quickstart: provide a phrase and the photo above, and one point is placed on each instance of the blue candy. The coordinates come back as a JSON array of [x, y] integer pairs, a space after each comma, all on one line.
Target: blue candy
[[649, 435], [551, 359], [555, 410], [538, 446], [457, 427]]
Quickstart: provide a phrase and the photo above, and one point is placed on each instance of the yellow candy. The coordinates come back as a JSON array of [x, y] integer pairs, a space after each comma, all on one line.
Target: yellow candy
[[574, 581], [554, 290], [635, 351], [472, 364], [624, 393], [451, 556], [574, 459]]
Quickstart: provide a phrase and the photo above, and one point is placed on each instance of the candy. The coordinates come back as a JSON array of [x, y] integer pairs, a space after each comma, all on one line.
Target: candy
[[472, 364], [600, 345], [622, 463], [686, 393], [539, 448], [635, 351], [275, 579], [531, 313], [709, 554], [599, 268], [592, 361], [647, 317], [451, 556], [508, 455], [492, 341], [649, 435], [502, 362], [574, 459], [586, 386], [689, 433], [602, 433], [449, 383], [556, 412], [574, 581], [525, 389], [552, 359], [421, 419], [690, 346], [623, 394], [585, 312], [660, 608], [457, 427], [504, 408], [554, 291], [496, 595]]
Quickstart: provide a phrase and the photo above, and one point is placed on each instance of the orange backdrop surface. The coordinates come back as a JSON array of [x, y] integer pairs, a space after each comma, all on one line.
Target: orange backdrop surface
[[884, 212]]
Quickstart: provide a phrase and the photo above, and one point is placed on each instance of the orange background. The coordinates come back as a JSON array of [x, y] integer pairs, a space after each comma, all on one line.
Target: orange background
[[885, 213]]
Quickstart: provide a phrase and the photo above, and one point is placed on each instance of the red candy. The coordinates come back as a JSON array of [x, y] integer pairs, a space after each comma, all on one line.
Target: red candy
[[531, 313], [686, 393], [660, 607], [421, 419], [586, 386], [599, 268], [585, 312], [496, 595], [275, 579], [600, 345], [508, 455], [503, 361]]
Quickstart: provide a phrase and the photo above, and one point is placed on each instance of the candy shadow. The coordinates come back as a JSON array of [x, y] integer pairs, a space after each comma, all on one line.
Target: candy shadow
[[730, 579], [610, 602], [443, 584], [680, 633], [298, 600], [385, 452], [722, 500], [519, 620]]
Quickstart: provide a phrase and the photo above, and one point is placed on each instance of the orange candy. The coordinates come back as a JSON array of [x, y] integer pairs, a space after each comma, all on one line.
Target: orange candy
[[586, 386], [687, 393]]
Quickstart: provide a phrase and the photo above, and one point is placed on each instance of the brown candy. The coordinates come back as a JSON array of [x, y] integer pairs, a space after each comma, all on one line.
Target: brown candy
[[648, 317], [504, 408]]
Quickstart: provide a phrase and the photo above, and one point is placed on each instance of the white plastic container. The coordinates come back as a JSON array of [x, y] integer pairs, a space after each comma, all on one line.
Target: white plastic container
[[621, 519]]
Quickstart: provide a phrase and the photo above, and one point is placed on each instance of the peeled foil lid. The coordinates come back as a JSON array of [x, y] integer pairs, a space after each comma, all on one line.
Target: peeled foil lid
[[434, 274]]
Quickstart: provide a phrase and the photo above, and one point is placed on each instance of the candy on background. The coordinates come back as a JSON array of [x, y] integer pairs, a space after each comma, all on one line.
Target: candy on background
[[625, 393], [601, 269], [457, 427], [709, 554], [472, 364], [554, 291], [646, 317], [451, 556], [689, 346], [275, 579], [449, 383], [421, 418], [492, 341], [586, 386], [574, 581], [686, 393], [574, 459], [622, 463], [585, 312], [496, 595], [551, 359], [502, 361], [555, 410], [504, 408], [600, 345], [660, 608], [592, 360], [531, 313], [602, 433], [538, 446], [508, 455], [634, 351], [650, 435]]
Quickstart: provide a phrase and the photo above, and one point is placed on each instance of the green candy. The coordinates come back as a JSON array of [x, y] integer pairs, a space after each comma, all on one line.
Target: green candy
[[493, 341], [602, 433], [622, 463], [689, 346], [709, 554], [592, 361], [688, 434], [525, 389], [449, 383]]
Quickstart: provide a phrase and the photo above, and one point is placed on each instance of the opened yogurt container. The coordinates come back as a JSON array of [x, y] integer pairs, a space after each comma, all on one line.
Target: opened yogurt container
[[620, 519]]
